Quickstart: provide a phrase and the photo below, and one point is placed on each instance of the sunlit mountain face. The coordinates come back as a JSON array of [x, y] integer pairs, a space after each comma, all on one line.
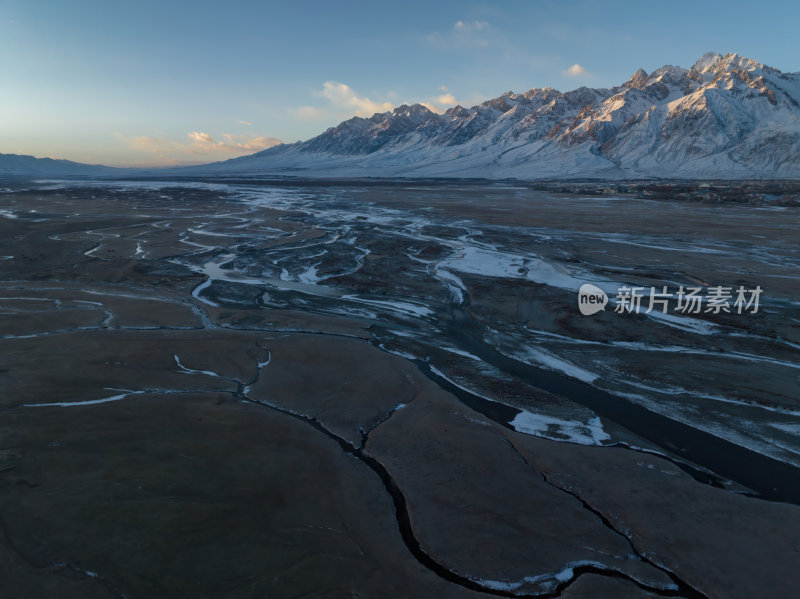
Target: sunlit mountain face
[[725, 117]]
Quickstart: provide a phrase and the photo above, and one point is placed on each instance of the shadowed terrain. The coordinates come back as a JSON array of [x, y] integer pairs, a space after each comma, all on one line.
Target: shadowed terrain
[[251, 390]]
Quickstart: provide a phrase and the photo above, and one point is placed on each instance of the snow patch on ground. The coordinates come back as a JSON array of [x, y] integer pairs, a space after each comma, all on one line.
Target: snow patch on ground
[[558, 429]]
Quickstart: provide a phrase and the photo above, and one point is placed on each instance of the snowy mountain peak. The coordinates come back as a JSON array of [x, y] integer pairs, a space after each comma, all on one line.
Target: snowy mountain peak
[[732, 62], [706, 62], [726, 117], [416, 110], [544, 94], [716, 64], [670, 74], [638, 79]]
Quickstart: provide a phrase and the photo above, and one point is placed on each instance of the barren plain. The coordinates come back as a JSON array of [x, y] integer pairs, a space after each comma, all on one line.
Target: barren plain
[[246, 389]]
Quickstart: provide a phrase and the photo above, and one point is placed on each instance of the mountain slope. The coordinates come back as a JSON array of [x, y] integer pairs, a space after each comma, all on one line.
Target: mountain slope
[[726, 117], [17, 165]]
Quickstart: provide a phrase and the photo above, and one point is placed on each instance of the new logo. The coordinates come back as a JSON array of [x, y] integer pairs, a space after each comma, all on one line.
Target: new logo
[[591, 299]]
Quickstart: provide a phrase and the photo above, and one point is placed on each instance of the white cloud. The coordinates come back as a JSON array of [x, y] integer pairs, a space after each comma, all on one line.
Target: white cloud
[[343, 97], [203, 143], [440, 103], [469, 26], [245, 123], [464, 35], [575, 70], [146, 144], [308, 113], [345, 102], [235, 143], [170, 151], [201, 138]]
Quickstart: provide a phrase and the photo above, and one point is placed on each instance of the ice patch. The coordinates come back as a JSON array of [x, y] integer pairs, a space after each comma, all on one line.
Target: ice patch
[[441, 374], [192, 371], [68, 404], [309, 276], [792, 429], [199, 289], [269, 359], [558, 429], [554, 363], [456, 286], [550, 579], [460, 352], [684, 323], [406, 308]]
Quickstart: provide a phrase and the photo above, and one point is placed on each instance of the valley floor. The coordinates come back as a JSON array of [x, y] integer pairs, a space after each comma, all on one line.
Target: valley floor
[[252, 390]]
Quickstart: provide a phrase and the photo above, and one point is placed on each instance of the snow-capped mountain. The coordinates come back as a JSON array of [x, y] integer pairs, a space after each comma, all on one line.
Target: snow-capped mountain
[[726, 117]]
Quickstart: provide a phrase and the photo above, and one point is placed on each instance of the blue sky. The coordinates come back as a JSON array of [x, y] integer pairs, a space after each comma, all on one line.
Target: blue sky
[[167, 82]]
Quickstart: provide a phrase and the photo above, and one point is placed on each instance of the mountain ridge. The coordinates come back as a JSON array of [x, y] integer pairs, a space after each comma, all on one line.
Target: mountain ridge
[[22, 165], [725, 117]]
